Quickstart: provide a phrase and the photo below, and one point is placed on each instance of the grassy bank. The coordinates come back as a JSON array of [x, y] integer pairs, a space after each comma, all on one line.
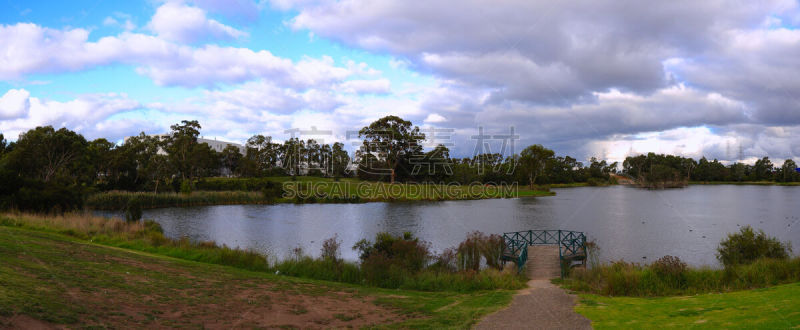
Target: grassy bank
[[49, 279], [307, 190], [148, 237], [770, 308]]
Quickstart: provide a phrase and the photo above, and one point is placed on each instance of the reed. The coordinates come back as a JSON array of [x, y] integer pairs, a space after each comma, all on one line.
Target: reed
[[118, 200]]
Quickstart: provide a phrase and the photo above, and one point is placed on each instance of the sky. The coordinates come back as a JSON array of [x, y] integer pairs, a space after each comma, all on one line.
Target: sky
[[596, 78]]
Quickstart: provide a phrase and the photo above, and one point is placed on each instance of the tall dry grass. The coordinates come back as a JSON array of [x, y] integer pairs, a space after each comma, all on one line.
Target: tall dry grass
[[80, 224]]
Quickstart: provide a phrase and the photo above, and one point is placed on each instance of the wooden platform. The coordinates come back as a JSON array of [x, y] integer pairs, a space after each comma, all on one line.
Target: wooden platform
[[543, 262]]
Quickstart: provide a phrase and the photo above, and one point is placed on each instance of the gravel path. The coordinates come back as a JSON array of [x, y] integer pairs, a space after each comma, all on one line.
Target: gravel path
[[541, 305]]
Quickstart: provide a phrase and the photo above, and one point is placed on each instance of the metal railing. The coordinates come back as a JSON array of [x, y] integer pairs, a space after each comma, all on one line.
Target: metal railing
[[571, 245]]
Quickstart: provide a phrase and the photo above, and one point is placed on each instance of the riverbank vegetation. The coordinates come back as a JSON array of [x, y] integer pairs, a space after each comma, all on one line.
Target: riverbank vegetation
[[390, 262], [303, 189], [750, 260]]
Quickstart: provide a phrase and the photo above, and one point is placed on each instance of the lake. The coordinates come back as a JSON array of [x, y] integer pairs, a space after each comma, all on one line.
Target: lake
[[627, 223]]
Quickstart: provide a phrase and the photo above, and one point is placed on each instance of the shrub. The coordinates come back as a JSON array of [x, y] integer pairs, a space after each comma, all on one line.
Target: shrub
[[445, 262], [330, 248], [669, 266], [747, 246], [133, 211], [405, 252], [186, 187]]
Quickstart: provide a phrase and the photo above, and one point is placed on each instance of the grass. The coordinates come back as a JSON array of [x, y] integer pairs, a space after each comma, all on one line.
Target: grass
[[309, 190], [142, 236], [629, 279], [60, 279], [771, 308], [148, 237]]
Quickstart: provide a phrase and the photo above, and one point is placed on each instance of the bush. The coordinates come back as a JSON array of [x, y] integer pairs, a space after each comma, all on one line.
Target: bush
[[669, 266], [330, 248], [747, 246], [133, 211], [186, 187], [406, 250]]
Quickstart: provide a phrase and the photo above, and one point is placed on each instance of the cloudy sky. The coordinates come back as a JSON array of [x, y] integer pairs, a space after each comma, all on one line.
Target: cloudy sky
[[586, 78]]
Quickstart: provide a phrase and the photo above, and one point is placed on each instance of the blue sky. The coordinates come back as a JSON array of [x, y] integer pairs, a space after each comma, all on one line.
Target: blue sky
[[600, 79]]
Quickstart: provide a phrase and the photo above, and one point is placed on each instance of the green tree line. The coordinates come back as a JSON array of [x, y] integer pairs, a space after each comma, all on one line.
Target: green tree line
[[659, 168], [50, 169]]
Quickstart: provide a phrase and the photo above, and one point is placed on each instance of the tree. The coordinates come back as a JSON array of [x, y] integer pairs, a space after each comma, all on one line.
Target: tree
[[263, 152], [789, 171], [392, 140], [688, 164], [293, 151], [180, 144], [3, 145], [99, 160], [339, 160], [231, 157], [151, 163], [44, 153], [762, 169], [533, 160]]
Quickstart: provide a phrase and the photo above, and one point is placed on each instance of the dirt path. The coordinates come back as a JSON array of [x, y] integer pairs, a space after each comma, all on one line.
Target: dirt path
[[541, 305]]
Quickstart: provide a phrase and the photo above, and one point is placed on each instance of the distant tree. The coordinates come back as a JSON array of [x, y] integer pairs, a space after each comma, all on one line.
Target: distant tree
[[339, 160], [230, 158], [204, 160], [263, 153], [688, 165], [789, 171], [392, 140], [152, 165], [435, 165], [293, 151], [762, 170], [3, 145], [99, 160], [533, 160]]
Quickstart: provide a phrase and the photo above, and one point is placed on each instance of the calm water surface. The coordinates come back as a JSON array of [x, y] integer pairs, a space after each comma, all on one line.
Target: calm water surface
[[627, 223]]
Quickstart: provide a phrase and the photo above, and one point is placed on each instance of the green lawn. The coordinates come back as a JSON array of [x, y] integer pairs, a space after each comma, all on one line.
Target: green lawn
[[60, 280], [776, 307]]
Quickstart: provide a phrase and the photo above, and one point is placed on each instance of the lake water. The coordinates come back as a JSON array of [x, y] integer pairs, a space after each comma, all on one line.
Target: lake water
[[626, 222]]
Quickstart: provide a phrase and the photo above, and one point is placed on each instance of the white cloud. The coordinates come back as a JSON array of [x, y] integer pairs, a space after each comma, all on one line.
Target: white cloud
[[375, 86], [14, 104], [33, 49], [181, 23], [84, 114], [435, 118]]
